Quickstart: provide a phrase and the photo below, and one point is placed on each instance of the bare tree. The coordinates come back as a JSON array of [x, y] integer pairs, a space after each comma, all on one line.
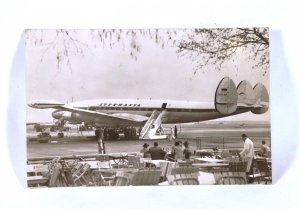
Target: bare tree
[[214, 47], [205, 47]]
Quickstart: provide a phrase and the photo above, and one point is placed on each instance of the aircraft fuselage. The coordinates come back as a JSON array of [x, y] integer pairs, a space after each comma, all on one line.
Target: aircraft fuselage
[[176, 111]]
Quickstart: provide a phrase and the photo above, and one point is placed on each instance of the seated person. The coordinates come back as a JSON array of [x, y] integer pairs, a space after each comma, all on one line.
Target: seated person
[[156, 152], [145, 151], [187, 151], [265, 149]]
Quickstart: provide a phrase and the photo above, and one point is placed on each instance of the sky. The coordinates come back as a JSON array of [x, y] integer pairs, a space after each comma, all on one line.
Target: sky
[[104, 72]]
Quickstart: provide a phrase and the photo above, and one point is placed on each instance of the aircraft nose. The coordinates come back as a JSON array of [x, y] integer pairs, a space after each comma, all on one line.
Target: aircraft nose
[[31, 105], [57, 114]]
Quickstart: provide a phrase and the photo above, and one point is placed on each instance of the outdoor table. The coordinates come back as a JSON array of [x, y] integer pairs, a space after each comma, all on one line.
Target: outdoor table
[[95, 164], [116, 170], [205, 152], [36, 180], [211, 166], [37, 168], [208, 160], [119, 159], [154, 162]]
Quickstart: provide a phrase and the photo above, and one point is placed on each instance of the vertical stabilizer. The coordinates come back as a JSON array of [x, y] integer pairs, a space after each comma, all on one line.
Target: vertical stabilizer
[[226, 96]]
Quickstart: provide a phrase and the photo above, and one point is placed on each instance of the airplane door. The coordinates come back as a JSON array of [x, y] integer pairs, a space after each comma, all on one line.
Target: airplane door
[[164, 117]]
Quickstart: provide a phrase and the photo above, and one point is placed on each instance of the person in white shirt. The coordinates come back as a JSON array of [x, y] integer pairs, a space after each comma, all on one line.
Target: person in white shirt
[[248, 154], [248, 151]]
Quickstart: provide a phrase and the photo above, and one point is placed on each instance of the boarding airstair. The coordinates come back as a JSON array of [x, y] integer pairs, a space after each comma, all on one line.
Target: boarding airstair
[[150, 128]]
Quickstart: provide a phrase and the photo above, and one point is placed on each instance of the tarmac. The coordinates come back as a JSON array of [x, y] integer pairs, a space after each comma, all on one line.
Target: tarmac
[[199, 137]]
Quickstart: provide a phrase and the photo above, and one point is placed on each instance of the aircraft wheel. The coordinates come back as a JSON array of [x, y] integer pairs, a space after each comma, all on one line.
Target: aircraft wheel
[[60, 135]]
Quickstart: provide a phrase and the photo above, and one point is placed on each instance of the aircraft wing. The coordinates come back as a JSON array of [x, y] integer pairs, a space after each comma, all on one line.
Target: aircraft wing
[[42, 125], [120, 118]]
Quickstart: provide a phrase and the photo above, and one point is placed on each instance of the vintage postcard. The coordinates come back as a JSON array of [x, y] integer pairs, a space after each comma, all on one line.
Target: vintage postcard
[[159, 107]]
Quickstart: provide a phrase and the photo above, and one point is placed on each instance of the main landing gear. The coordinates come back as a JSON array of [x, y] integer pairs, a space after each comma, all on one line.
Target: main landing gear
[[117, 133], [60, 135]]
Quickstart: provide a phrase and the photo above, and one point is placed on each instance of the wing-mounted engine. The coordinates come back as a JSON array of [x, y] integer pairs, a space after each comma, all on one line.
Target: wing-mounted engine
[[262, 99], [226, 96]]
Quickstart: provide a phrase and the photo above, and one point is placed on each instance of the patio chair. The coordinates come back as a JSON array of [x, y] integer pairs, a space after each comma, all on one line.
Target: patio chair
[[122, 179], [183, 169], [72, 163], [229, 178], [240, 166], [146, 177], [104, 160], [264, 170], [183, 179], [166, 168], [76, 168], [134, 162], [79, 178], [54, 174]]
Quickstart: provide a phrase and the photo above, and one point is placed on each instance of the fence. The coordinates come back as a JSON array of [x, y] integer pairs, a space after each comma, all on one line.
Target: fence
[[226, 142]]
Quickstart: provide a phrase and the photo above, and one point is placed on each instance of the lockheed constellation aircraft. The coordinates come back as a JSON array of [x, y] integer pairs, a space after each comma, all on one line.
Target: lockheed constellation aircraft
[[229, 100]]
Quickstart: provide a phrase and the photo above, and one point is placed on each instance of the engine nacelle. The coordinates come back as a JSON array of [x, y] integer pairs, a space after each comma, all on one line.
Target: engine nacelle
[[59, 115]]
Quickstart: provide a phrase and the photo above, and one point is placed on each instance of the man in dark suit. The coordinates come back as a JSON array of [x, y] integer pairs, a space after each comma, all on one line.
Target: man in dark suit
[[156, 152]]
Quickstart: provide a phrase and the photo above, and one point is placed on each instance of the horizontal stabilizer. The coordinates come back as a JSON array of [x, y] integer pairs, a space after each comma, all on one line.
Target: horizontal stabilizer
[[226, 96], [262, 99]]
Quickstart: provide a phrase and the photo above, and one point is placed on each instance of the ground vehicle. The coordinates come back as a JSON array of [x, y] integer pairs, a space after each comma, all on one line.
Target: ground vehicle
[[43, 137]]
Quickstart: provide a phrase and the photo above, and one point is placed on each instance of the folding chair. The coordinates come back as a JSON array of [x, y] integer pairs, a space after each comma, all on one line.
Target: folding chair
[[240, 166], [264, 170], [76, 168], [79, 178], [166, 168], [183, 179], [236, 173], [229, 179], [146, 177], [122, 179]]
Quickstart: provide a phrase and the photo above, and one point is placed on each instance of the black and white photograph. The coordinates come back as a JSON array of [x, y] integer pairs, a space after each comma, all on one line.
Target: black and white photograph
[[148, 107]]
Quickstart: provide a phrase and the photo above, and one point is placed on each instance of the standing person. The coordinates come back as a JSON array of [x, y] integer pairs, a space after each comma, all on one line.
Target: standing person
[[187, 151], [178, 152], [101, 146], [248, 154], [105, 133], [171, 137], [265, 149], [156, 152], [175, 132]]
